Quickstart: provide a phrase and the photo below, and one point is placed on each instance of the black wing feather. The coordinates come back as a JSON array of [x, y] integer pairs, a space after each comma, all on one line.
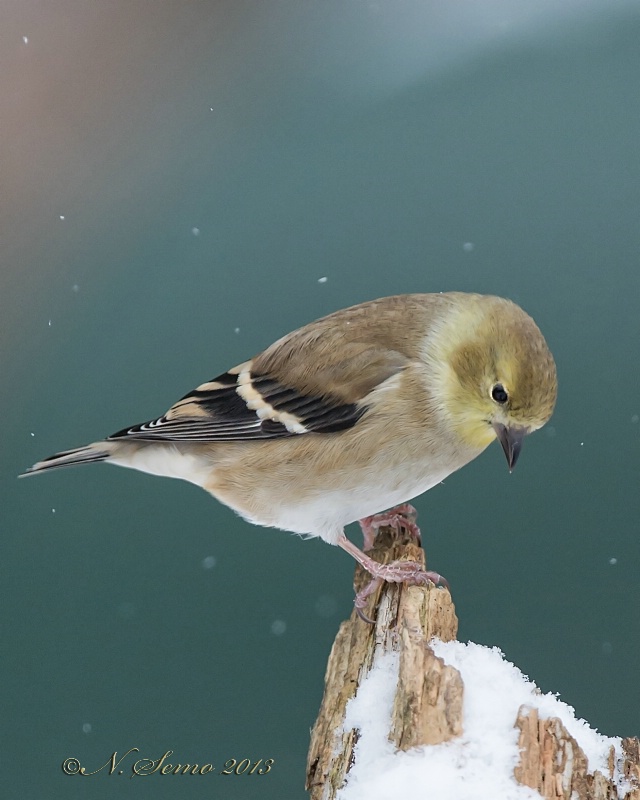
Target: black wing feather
[[228, 417]]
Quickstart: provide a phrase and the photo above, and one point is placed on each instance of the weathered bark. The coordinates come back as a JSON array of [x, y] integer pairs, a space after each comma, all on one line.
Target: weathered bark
[[553, 763], [428, 704], [427, 707]]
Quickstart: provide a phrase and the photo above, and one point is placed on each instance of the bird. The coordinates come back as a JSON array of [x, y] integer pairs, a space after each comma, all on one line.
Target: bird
[[357, 412]]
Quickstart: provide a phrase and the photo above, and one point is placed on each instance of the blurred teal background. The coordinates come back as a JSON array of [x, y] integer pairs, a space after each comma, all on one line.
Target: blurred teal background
[[175, 180]]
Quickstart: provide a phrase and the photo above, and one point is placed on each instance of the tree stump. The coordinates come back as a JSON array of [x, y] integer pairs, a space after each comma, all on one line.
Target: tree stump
[[428, 702], [553, 763]]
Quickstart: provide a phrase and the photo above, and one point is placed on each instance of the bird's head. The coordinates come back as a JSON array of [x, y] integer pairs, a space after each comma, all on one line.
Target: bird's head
[[499, 377]]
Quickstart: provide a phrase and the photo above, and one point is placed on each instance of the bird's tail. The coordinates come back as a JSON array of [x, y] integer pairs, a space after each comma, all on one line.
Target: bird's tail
[[98, 451]]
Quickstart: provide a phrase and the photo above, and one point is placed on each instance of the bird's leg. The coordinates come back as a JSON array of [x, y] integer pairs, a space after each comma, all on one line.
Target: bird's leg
[[403, 516], [409, 572]]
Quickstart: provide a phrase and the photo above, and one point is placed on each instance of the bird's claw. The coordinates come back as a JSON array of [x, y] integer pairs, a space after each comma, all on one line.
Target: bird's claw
[[410, 572], [398, 518]]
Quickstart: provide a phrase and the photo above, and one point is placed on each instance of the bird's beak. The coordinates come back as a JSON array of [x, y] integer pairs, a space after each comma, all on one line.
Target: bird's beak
[[511, 441]]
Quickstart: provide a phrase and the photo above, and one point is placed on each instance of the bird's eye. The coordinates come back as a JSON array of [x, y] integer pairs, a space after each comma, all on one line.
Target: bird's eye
[[499, 394]]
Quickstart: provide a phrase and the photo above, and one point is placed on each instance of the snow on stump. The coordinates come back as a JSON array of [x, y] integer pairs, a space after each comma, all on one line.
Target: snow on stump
[[409, 711]]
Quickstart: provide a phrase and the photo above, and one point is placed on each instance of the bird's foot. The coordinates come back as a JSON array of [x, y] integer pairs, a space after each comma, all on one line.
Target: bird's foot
[[410, 572], [361, 598], [398, 518]]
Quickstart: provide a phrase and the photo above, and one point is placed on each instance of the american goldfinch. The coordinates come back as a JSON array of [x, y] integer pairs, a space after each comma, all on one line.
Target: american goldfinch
[[357, 412]]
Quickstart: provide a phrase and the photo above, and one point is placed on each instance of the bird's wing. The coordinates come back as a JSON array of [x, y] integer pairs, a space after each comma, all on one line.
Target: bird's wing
[[303, 384]]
